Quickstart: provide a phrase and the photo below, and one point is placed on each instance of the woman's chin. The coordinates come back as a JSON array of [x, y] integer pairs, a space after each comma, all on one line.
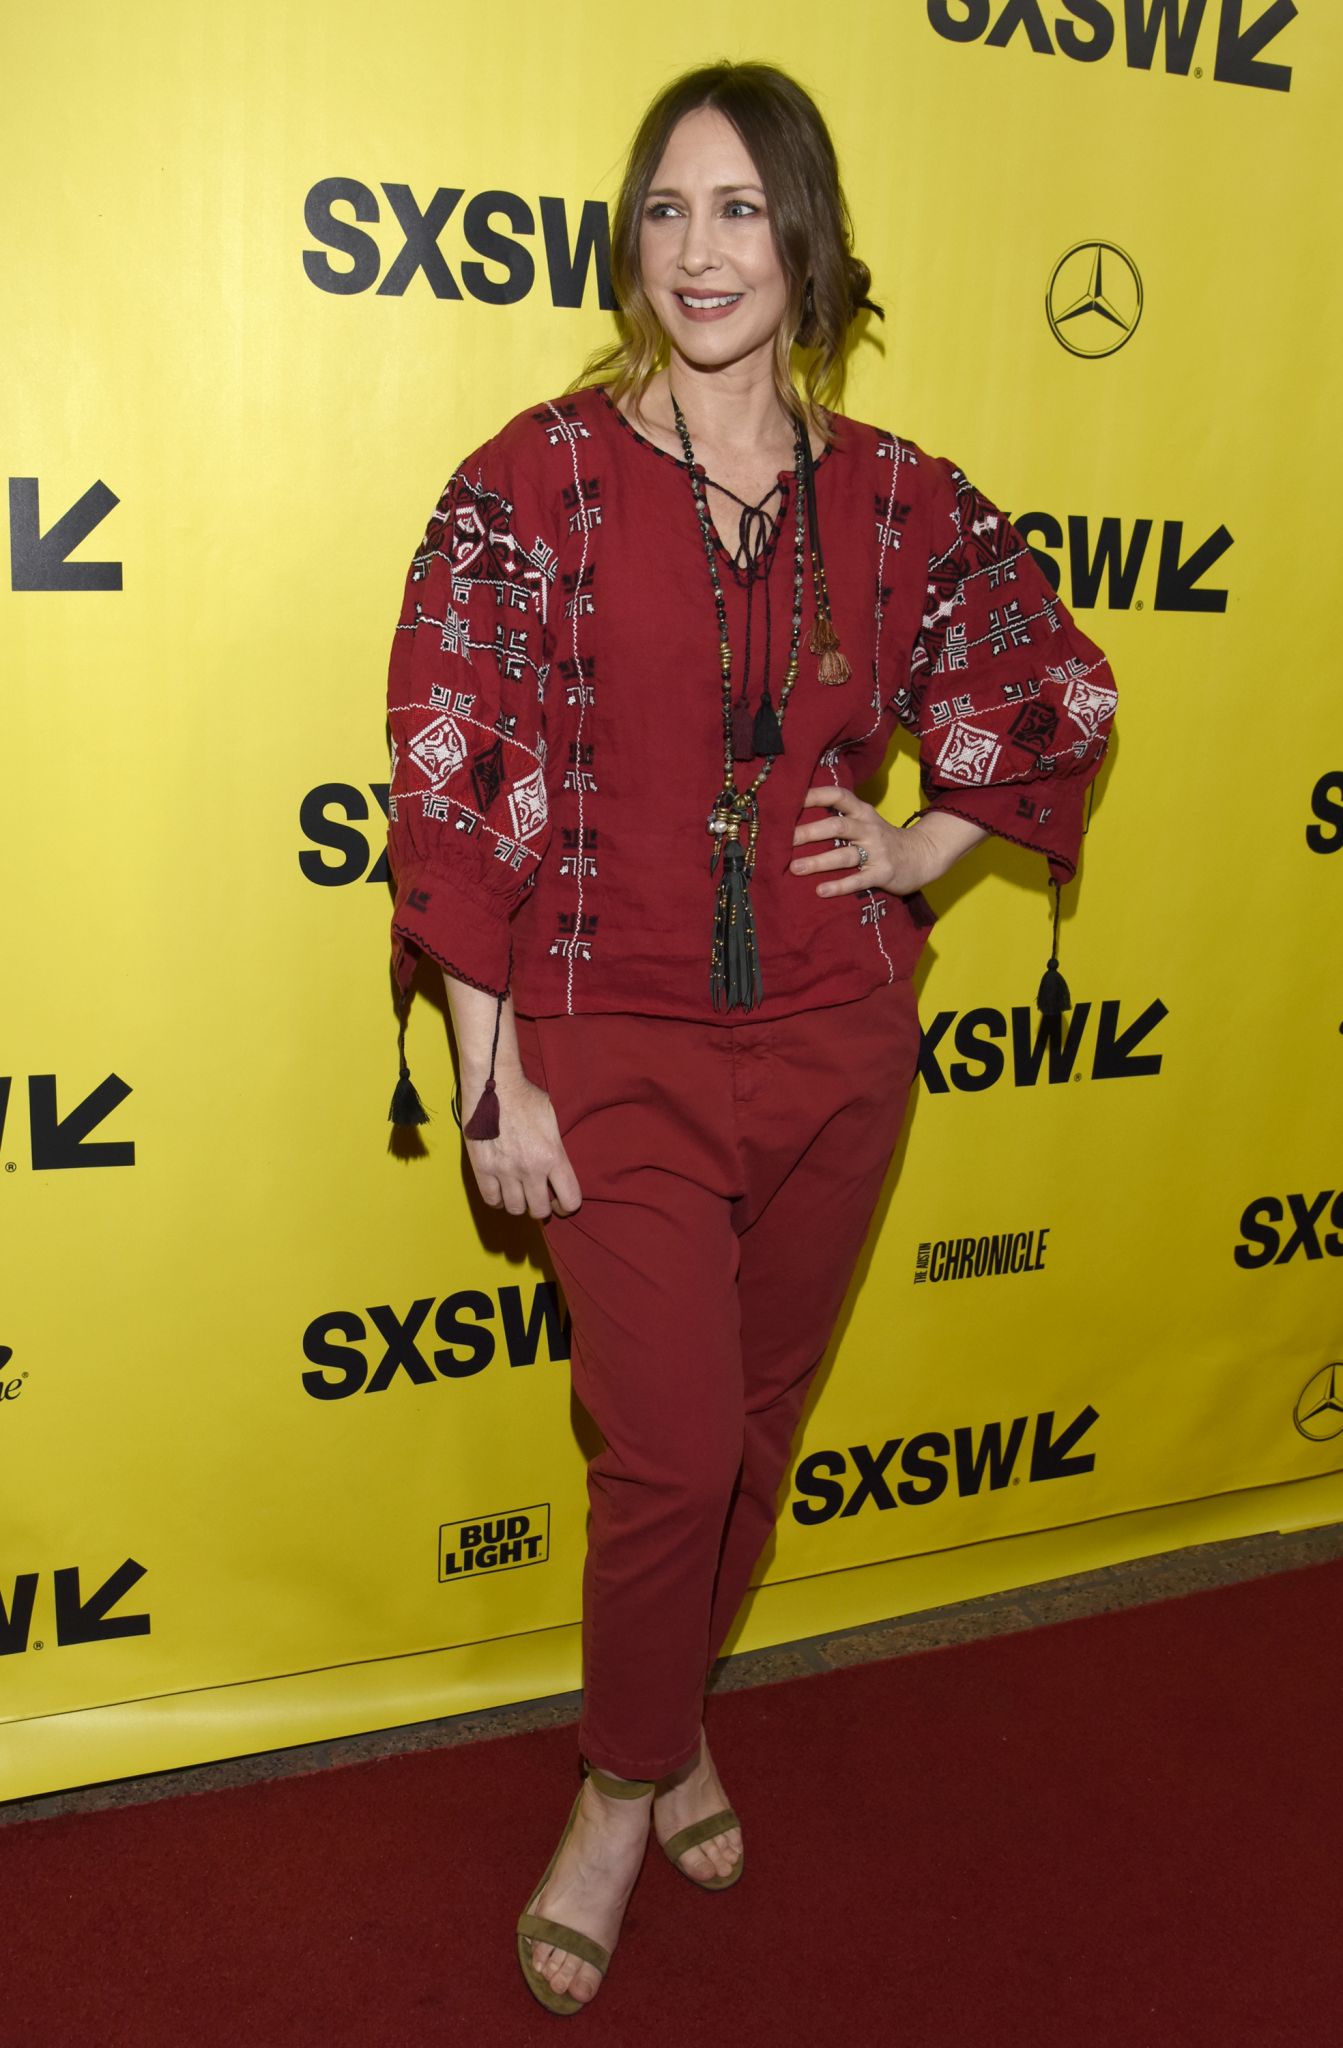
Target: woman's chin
[[716, 346]]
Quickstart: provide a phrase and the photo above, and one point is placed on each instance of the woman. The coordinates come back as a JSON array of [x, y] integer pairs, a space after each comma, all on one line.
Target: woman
[[687, 594]]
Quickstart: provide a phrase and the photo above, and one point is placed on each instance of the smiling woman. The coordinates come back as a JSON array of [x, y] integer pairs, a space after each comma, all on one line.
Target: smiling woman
[[632, 694], [756, 153]]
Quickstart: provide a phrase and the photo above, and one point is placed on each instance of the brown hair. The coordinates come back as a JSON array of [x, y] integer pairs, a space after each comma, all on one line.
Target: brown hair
[[790, 146]]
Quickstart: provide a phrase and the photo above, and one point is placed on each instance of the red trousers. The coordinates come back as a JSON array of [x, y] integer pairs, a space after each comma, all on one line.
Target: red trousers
[[729, 1173]]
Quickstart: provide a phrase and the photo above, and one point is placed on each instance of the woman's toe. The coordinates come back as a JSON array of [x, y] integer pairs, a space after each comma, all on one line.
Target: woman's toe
[[718, 1857], [561, 1975], [573, 1978], [586, 1982]]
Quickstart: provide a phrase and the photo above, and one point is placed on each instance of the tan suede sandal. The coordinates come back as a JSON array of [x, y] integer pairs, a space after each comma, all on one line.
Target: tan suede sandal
[[700, 1831], [533, 1927]]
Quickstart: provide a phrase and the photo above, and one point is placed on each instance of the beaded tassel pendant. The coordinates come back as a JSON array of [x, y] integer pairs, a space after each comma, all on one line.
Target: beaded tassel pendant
[[734, 967]]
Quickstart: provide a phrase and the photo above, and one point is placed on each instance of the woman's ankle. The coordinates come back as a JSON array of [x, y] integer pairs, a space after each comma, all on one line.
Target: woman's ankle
[[619, 1790]]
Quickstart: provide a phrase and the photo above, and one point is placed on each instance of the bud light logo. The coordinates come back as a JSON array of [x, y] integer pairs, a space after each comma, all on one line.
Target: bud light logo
[[494, 1543]]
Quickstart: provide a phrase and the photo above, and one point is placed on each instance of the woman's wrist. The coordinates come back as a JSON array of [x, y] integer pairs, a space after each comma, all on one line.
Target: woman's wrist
[[476, 1016], [476, 1071], [941, 838]]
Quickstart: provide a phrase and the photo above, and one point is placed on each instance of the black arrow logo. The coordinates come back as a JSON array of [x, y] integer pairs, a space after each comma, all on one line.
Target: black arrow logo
[[86, 1621], [1049, 1455], [60, 1141], [37, 560], [1115, 1057], [1177, 582], [1238, 48]]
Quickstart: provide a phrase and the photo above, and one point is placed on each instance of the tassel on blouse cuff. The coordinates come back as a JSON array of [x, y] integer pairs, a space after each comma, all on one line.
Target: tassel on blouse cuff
[[1053, 996], [484, 1118], [407, 1107]]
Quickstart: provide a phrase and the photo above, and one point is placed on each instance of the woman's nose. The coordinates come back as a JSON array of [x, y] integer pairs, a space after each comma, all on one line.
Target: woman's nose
[[698, 252]]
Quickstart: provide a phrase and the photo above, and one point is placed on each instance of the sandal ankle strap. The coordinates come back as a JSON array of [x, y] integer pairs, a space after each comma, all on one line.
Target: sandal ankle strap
[[619, 1788]]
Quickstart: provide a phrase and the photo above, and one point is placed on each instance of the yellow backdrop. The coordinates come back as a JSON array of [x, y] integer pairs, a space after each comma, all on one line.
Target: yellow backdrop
[[286, 1441]]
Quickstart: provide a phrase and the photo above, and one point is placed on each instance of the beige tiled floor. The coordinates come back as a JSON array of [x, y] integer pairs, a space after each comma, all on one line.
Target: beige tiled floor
[[1099, 1592]]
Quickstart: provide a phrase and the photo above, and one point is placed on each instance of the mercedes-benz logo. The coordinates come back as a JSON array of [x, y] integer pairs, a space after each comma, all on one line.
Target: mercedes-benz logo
[[1319, 1406], [1094, 301]]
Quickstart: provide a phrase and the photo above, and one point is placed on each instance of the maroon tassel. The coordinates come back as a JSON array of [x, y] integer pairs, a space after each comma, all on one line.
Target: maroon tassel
[[743, 731], [484, 1122], [484, 1119]]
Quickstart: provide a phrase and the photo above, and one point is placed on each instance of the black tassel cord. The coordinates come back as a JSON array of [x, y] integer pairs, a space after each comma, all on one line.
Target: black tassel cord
[[1052, 998], [406, 1105], [755, 735]]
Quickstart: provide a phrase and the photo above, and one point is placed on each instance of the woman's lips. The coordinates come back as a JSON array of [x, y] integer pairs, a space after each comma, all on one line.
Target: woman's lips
[[711, 306]]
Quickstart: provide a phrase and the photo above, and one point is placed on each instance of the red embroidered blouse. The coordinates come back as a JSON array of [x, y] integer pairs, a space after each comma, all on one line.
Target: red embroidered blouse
[[555, 707]]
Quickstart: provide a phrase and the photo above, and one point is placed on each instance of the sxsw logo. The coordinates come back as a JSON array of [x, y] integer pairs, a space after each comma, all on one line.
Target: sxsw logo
[[1052, 1049], [970, 1258], [839, 1483], [398, 1341], [343, 853], [1275, 1228], [494, 1543], [57, 1141], [1146, 31], [412, 244], [1104, 567], [78, 1616], [1326, 802]]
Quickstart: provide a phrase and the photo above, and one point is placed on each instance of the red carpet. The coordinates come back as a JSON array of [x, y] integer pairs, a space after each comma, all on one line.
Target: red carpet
[[1112, 1832]]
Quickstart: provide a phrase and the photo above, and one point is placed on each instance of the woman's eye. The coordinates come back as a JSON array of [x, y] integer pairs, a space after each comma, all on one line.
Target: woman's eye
[[741, 207], [658, 209]]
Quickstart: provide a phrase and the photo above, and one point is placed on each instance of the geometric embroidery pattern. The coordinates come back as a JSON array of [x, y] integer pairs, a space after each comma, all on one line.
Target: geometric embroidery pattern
[[440, 750], [528, 805], [487, 774], [968, 753], [1089, 705]]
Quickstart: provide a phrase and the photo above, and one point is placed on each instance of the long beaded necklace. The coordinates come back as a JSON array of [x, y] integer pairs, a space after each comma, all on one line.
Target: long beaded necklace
[[734, 821]]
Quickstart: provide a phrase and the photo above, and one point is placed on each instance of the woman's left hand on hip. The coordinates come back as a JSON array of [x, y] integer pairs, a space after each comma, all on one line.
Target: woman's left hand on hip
[[873, 854]]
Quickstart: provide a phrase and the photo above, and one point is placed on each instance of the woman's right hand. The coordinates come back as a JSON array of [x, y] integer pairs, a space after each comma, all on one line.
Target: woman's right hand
[[526, 1169]]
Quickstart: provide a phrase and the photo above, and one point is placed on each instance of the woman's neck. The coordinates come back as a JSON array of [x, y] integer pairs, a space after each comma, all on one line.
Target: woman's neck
[[736, 411], [738, 402]]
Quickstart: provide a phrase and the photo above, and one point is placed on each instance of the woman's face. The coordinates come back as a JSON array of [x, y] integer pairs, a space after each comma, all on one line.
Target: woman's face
[[706, 246]]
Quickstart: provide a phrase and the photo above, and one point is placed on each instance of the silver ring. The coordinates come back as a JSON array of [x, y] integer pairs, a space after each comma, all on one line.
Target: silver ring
[[862, 856]]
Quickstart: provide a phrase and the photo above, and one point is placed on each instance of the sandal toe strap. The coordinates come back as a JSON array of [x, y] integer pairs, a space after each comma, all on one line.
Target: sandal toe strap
[[700, 1831], [560, 1936]]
